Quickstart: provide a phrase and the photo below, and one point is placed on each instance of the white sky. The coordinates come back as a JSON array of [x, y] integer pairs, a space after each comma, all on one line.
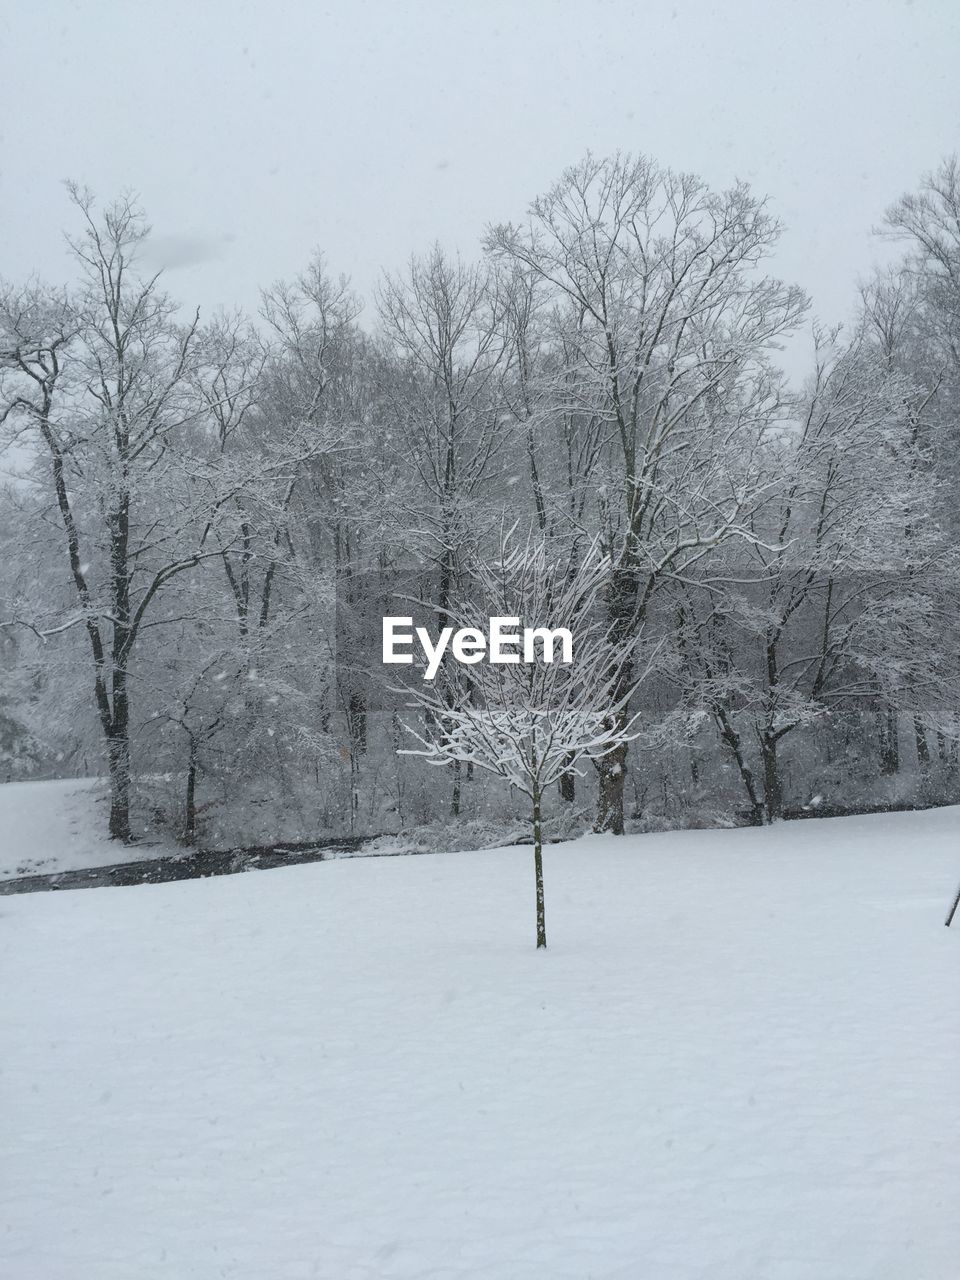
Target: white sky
[[255, 132]]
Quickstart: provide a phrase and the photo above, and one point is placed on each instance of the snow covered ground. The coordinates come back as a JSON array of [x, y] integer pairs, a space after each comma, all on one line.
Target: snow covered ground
[[60, 826], [738, 1060]]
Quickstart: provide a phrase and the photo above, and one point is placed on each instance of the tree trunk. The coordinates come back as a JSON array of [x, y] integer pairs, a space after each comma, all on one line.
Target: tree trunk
[[772, 785], [889, 741], [357, 721], [568, 786], [623, 613], [538, 870], [610, 792], [118, 760], [731, 737], [457, 782], [119, 748], [190, 820], [923, 749]]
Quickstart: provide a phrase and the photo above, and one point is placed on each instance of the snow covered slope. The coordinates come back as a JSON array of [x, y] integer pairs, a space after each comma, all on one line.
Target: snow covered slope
[[738, 1060], [59, 826]]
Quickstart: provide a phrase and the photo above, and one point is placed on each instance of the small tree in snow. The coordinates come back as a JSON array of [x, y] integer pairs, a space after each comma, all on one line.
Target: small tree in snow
[[530, 722]]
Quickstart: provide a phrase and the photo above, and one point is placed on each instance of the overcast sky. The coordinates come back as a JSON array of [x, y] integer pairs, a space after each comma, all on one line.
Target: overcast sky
[[255, 132]]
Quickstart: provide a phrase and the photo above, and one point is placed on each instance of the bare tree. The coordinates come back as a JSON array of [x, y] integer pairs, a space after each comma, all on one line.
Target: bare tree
[[100, 378], [796, 635], [529, 723], [442, 319], [929, 222], [672, 353]]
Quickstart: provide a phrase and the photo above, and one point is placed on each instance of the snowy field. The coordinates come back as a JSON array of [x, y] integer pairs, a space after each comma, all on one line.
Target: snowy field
[[47, 827], [738, 1060]]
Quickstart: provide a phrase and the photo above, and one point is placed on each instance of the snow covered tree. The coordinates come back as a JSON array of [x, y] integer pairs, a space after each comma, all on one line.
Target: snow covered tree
[[442, 321], [796, 635], [215, 514], [673, 328], [530, 722], [99, 378], [913, 313], [929, 222]]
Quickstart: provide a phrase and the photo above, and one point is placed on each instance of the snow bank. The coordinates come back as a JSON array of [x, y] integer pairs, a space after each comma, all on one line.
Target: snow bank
[[47, 827], [737, 1061]]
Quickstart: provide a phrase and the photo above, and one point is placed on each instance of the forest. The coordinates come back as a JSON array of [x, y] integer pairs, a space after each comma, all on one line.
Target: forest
[[204, 519]]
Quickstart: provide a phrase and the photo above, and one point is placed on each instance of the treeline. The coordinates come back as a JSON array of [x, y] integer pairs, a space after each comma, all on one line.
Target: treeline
[[202, 501]]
